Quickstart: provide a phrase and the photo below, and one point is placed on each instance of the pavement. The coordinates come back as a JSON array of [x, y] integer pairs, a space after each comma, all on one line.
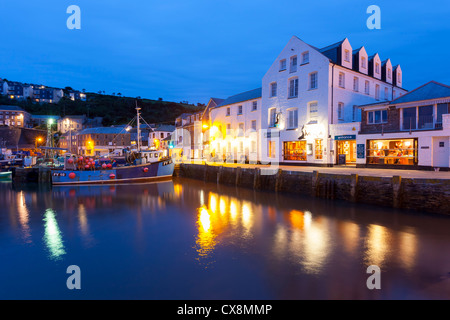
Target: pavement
[[417, 174]]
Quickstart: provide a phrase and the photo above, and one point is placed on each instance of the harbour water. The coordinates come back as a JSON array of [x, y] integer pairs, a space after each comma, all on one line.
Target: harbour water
[[186, 239]]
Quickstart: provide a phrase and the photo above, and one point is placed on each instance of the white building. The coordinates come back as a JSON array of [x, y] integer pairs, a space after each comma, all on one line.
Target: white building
[[234, 126], [307, 94]]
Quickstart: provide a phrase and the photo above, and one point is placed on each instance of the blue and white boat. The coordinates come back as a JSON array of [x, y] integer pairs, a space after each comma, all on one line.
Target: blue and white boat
[[140, 166]]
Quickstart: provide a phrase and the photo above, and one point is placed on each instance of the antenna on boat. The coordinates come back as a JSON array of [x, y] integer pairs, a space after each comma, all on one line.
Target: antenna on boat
[[138, 128]]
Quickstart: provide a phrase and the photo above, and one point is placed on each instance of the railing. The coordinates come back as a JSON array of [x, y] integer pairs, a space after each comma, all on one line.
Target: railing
[[421, 123]]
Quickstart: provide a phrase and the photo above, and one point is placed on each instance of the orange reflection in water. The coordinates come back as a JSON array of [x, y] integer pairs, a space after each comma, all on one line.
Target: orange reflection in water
[[206, 238], [377, 245], [222, 215]]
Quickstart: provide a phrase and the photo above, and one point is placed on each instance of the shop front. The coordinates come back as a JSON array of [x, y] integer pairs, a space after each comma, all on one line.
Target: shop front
[[392, 152], [346, 149]]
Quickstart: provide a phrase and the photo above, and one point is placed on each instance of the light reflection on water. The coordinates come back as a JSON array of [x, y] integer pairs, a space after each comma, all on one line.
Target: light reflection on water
[[53, 237], [281, 245]]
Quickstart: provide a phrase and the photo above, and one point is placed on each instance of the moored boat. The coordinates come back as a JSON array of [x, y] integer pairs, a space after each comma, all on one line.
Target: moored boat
[[140, 166]]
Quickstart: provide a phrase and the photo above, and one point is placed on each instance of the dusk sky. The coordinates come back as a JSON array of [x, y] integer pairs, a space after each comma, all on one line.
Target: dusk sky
[[193, 50]]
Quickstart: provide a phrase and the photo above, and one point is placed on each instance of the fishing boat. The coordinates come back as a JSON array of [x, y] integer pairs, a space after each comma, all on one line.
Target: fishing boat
[[139, 166]]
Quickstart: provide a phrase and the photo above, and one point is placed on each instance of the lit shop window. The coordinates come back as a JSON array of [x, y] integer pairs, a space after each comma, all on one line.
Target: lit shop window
[[318, 149], [392, 152]]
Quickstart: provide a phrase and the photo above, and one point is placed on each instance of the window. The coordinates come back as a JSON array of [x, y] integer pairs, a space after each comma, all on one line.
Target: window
[[305, 57], [347, 55], [366, 87], [239, 110], [292, 119], [295, 150], [283, 65], [386, 93], [426, 117], [254, 105], [355, 84], [293, 88], [377, 92], [363, 63], [313, 112], [313, 80], [391, 152], [442, 108], [241, 146], [228, 111], [341, 111], [389, 73], [318, 149], [254, 125], [377, 67], [273, 89], [271, 149], [228, 129], [377, 116], [293, 64], [341, 80], [253, 146], [241, 130], [272, 117]]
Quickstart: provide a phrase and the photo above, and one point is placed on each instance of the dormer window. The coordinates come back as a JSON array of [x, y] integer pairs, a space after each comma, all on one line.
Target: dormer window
[[347, 55], [363, 63], [377, 67], [389, 73]]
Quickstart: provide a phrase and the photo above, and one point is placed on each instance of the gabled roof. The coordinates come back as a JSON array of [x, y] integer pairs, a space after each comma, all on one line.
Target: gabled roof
[[240, 97], [428, 91], [217, 101], [165, 128], [332, 52]]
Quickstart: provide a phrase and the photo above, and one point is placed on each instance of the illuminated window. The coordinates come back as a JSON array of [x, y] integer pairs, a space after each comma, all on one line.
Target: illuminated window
[[318, 149]]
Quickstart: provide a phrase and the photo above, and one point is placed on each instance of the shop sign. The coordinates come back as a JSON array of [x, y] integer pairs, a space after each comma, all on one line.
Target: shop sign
[[345, 137]]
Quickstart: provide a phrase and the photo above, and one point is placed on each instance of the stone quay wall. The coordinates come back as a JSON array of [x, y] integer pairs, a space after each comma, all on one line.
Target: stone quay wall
[[427, 195]]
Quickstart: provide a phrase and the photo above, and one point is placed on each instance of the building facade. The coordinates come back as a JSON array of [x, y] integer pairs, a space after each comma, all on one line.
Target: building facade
[[102, 141], [309, 94], [412, 131], [234, 128], [13, 116]]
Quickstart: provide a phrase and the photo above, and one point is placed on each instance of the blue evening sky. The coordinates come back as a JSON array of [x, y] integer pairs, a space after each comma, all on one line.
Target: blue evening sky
[[194, 49]]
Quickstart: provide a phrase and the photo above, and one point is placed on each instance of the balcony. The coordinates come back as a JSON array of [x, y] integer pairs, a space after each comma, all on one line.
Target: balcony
[[428, 122]]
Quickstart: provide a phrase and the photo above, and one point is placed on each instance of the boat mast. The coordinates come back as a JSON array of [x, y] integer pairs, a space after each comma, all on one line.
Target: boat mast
[[138, 129]]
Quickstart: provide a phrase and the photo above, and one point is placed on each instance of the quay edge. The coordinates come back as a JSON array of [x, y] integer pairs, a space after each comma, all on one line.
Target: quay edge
[[427, 195]]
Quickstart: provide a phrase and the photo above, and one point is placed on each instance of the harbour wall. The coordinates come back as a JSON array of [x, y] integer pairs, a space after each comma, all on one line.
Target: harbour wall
[[427, 195]]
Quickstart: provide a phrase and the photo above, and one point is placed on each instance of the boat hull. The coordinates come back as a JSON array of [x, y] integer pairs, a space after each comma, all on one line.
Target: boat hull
[[156, 171]]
